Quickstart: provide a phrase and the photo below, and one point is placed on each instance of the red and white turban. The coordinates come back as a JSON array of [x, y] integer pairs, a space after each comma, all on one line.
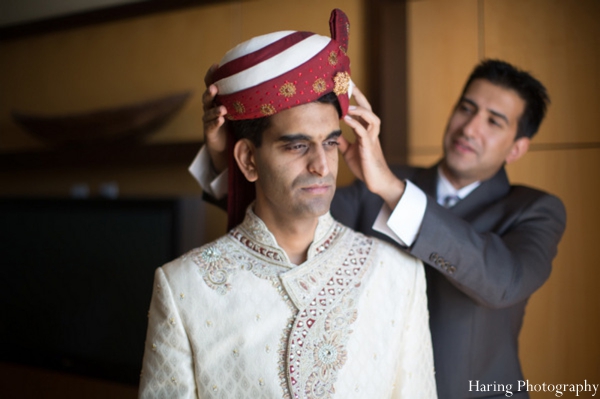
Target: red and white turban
[[275, 72], [280, 70]]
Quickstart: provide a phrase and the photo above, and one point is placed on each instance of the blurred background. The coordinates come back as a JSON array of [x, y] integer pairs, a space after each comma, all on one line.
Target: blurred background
[[101, 114]]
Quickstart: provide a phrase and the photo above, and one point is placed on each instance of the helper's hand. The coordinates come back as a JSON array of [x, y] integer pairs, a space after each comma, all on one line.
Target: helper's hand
[[215, 135], [365, 156]]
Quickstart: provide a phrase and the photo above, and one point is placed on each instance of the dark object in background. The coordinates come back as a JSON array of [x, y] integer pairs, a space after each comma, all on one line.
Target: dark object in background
[[77, 279], [103, 126]]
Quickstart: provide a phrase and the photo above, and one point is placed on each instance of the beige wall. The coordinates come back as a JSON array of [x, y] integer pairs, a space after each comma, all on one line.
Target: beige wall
[[559, 42], [136, 59]]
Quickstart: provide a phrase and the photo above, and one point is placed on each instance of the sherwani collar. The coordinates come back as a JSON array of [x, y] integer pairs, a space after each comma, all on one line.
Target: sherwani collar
[[265, 242], [335, 258]]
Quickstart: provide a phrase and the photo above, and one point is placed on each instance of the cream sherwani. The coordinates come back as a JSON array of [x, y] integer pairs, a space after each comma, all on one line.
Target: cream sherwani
[[236, 319]]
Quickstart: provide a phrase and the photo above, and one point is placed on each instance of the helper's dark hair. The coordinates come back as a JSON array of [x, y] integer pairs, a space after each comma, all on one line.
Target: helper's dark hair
[[252, 129], [531, 90]]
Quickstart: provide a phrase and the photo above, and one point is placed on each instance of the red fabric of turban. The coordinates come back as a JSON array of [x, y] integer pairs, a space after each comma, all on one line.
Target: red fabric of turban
[[274, 72]]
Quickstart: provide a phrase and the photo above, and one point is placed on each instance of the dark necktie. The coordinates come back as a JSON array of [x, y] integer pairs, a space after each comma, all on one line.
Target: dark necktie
[[450, 201]]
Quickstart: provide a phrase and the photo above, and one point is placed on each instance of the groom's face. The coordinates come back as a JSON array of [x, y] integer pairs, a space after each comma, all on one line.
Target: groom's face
[[297, 162]]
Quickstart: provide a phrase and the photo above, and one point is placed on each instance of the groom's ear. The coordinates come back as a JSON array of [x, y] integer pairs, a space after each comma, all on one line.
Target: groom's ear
[[244, 153]]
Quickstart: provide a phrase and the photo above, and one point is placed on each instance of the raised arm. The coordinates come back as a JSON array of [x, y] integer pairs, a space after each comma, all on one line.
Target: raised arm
[[215, 136], [500, 256], [365, 156]]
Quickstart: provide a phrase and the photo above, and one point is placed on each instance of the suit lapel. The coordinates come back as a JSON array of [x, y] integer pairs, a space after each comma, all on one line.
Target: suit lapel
[[426, 180], [487, 193], [483, 196]]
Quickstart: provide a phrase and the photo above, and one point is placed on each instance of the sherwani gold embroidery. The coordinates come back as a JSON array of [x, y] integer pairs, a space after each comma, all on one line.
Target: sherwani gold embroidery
[[236, 319]]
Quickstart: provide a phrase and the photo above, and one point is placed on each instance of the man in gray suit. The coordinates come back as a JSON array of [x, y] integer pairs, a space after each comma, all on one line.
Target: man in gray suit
[[489, 245]]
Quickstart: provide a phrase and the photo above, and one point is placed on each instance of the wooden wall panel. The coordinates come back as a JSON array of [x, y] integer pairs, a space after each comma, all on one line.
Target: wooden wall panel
[[389, 91], [113, 64], [559, 342], [442, 49], [135, 59], [425, 160], [141, 58], [559, 41]]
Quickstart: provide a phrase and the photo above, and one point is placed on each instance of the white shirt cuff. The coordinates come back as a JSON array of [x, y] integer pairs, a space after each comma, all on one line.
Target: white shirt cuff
[[201, 169], [403, 224]]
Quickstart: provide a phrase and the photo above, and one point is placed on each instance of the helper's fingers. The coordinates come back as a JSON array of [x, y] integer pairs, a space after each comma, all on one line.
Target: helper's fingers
[[211, 114], [367, 118], [360, 98], [359, 129], [208, 77], [208, 97]]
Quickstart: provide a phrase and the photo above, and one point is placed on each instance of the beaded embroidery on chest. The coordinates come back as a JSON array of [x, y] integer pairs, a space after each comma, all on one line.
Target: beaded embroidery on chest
[[316, 350], [321, 294]]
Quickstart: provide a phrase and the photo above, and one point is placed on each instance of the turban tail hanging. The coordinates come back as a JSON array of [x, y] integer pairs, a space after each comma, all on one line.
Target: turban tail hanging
[[241, 192]]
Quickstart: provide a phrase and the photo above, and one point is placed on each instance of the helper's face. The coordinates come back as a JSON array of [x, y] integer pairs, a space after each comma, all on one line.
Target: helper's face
[[297, 162], [480, 136]]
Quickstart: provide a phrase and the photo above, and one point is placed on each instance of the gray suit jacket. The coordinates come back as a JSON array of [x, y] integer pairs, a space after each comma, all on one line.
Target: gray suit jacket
[[487, 255]]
